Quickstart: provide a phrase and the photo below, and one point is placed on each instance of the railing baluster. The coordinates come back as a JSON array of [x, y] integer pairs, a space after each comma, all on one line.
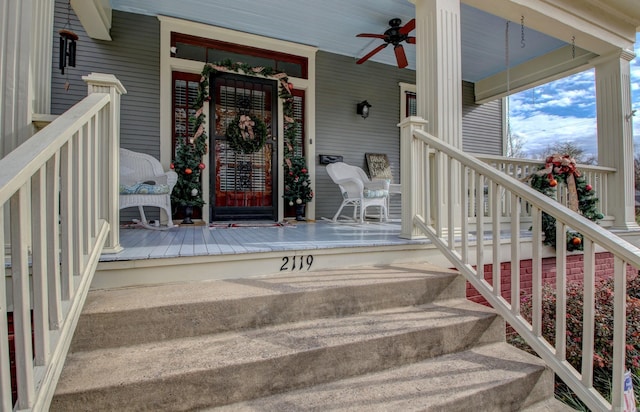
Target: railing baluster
[[588, 316], [5, 365], [20, 226], [38, 266], [438, 193], [495, 215], [619, 336], [480, 226], [78, 212], [515, 254], [450, 205], [561, 291], [66, 219], [53, 241], [464, 214], [536, 272]]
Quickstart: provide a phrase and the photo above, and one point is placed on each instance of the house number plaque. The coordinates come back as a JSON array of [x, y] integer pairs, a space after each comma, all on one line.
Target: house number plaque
[[296, 263]]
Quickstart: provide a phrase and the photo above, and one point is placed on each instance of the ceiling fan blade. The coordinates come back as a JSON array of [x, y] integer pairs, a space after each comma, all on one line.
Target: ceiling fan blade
[[407, 28], [411, 40], [401, 57], [371, 53], [375, 36]]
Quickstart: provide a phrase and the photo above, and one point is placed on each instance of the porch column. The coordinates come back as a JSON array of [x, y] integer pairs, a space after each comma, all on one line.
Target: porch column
[[615, 135], [415, 199], [439, 86], [109, 154]]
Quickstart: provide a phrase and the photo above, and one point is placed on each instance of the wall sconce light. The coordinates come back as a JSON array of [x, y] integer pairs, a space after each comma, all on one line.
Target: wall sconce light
[[67, 49], [362, 109]]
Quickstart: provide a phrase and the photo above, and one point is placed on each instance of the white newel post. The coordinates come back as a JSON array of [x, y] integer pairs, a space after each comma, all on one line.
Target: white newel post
[[439, 87], [109, 155], [413, 163], [615, 134]]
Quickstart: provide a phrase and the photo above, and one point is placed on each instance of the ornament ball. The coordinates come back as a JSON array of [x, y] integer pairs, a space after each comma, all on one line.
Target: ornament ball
[[553, 183], [588, 187], [299, 201], [290, 203], [194, 192], [201, 166], [576, 241], [188, 171], [172, 166]]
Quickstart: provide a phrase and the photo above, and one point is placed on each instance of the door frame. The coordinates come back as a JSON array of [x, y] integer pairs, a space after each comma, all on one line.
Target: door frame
[[169, 63]]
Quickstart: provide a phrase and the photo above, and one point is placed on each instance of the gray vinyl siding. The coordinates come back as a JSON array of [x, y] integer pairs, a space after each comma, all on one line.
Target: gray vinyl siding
[[481, 124], [340, 85], [133, 56]]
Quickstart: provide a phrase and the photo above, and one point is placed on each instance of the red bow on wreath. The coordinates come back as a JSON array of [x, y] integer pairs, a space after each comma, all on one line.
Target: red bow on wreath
[[246, 127], [563, 165]]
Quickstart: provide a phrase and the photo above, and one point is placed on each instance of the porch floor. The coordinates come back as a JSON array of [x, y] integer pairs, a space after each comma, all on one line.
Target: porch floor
[[252, 237]]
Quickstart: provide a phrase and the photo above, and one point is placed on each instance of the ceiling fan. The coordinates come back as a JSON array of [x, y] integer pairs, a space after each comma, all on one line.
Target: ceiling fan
[[395, 35]]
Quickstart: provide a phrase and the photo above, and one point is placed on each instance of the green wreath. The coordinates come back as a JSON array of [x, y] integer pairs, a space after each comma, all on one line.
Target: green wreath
[[246, 134], [545, 181]]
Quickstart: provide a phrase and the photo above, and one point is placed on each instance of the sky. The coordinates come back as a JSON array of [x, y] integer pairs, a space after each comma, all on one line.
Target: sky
[[565, 111]]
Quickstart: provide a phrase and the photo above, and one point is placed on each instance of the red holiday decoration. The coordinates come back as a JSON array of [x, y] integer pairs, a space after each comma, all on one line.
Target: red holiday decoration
[[188, 171], [201, 166]]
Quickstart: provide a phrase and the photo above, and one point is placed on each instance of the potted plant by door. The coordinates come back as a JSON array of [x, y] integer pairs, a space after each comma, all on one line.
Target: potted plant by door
[[297, 185]]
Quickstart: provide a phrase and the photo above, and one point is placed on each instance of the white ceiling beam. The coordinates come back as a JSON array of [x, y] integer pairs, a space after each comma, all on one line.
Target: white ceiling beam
[[95, 16], [595, 28], [555, 65]]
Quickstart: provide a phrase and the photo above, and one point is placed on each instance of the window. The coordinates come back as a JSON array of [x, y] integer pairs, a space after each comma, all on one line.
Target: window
[[185, 94], [209, 50]]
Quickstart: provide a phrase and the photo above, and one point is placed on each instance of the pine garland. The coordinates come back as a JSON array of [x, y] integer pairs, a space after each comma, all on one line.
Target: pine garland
[[556, 171]]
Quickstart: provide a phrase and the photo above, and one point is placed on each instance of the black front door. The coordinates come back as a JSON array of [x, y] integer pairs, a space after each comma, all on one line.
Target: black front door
[[243, 181]]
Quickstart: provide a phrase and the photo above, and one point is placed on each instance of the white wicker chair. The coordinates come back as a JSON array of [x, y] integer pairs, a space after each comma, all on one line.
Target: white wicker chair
[[145, 175], [358, 191]]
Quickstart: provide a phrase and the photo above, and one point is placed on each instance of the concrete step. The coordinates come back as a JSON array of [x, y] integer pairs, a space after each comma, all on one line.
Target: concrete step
[[493, 377], [219, 369], [128, 316]]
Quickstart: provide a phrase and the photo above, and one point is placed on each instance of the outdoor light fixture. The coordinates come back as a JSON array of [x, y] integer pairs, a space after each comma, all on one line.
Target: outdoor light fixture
[[363, 109]]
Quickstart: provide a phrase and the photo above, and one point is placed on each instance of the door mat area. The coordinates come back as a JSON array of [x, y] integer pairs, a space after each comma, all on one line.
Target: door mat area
[[232, 225]]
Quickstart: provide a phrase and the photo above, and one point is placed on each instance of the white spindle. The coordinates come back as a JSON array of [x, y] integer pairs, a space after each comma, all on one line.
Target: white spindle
[[53, 241], [588, 327], [619, 332], [39, 266], [450, 204], [480, 225], [464, 214], [536, 271], [515, 254], [561, 291], [77, 202], [20, 227], [5, 367], [66, 219], [495, 224]]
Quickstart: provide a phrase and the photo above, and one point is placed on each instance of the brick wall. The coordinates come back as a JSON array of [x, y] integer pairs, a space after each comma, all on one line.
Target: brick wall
[[575, 270]]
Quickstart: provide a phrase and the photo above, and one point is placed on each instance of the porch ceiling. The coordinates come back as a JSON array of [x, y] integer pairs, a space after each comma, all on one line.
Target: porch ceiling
[[331, 25]]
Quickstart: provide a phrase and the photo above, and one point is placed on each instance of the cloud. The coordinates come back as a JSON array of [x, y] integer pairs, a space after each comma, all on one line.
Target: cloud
[[565, 111]]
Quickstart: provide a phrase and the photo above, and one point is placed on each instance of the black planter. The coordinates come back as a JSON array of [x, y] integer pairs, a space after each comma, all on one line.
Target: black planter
[[188, 213], [300, 211]]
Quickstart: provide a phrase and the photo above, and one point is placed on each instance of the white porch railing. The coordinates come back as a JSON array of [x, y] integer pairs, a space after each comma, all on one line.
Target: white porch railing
[[57, 194], [436, 180], [597, 176]]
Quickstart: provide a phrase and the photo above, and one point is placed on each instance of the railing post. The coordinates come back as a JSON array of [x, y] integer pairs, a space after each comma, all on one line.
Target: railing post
[[414, 175], [109, 155]]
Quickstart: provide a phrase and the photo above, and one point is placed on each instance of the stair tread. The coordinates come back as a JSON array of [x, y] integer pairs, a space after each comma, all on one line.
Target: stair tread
[[147, 297], [434, 384], [162, 360]]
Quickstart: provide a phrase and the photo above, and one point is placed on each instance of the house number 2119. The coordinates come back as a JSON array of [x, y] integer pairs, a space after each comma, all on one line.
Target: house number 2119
[[296, 263]]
